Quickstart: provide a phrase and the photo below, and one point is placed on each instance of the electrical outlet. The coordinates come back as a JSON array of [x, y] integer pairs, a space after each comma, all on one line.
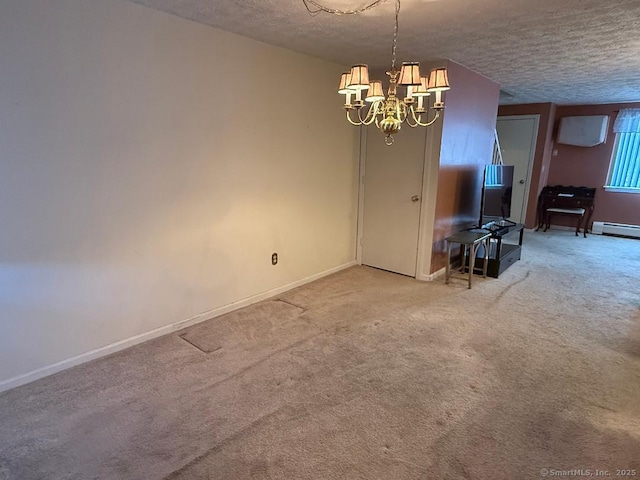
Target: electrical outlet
[[274, 259]]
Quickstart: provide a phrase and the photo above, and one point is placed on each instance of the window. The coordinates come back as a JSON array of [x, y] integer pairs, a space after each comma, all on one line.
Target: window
[[624, 172]]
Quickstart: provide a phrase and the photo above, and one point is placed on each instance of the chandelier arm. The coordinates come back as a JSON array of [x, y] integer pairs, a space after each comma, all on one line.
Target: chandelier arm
[[319, 8], [416, 122], [372, 114], [363, 121], [435, 117], [401, 111], [417, 119], [419, 122], [351, 121]]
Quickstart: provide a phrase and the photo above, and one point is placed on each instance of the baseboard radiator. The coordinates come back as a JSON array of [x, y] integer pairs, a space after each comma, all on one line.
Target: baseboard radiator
[[607, 228]]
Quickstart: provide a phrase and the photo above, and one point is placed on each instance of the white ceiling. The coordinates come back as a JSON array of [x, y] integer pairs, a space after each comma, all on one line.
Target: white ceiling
[[561, 51]]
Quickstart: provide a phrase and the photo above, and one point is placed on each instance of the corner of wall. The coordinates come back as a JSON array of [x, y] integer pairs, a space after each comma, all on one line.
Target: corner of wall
[[466, 145]]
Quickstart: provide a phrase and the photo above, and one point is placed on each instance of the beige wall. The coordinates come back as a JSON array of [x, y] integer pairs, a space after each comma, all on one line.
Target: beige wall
[[138, 185]]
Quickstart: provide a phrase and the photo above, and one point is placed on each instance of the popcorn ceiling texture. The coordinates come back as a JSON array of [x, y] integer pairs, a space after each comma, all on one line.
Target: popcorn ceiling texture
[[560, 51]]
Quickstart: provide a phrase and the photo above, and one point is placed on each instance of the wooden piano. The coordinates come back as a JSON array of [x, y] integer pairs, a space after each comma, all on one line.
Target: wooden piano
[[562, 200]]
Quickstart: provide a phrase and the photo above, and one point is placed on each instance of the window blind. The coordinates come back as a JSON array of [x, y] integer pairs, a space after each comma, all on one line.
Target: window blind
[[626, 164]]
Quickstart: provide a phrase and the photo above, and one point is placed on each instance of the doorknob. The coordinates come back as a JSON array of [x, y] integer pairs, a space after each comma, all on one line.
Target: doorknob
[[521, 182], [415, 198]]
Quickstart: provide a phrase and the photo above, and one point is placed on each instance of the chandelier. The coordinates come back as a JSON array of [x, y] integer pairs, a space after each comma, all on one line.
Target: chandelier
[[391, 111]]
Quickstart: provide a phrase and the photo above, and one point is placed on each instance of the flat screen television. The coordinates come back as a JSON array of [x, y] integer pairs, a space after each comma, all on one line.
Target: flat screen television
[[496, 195]]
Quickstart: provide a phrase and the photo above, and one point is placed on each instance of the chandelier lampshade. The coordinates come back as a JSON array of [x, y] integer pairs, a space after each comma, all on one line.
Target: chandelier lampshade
[[345, 80], [422, 91], [410, 74], [438, 80], [375, 92], [438, 83], [359, 77]]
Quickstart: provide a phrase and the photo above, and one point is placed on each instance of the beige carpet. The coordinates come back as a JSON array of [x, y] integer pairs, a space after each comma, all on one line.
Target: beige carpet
[[365, 375]]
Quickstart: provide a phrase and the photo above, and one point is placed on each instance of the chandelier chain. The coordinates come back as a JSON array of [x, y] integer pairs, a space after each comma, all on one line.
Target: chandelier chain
[[319, 8], [395, 37]]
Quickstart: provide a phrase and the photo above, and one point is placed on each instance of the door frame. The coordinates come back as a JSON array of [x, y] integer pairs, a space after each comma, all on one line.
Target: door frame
[[423, 250], [532, 155], [361, 175]]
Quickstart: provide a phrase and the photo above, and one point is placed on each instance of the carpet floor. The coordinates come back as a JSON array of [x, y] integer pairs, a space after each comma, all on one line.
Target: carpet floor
[[366, 375]]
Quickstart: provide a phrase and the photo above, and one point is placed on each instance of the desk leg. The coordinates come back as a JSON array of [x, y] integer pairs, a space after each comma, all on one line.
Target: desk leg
[[465, 258], [485, 258], [472, 261], [448, 268], [587, 221]]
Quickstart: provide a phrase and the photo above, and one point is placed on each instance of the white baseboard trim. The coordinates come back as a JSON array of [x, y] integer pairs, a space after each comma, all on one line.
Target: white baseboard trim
[[436, 275], [433, 276], [553, 226], [45, 371]]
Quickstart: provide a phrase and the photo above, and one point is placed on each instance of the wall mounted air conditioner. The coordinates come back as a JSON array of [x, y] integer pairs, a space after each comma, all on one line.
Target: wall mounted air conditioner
[[584, 131]]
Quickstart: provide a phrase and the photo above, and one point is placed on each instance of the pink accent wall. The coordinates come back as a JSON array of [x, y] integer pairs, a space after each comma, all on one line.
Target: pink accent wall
[[589, 167], [466, 147], [578, 166]]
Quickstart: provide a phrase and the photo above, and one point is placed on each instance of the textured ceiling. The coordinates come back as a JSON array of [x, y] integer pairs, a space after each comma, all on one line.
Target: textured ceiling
[[561, 51]]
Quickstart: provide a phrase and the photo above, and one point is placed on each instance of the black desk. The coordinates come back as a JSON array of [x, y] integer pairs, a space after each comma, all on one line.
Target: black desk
[[505, 248], [576, 202]]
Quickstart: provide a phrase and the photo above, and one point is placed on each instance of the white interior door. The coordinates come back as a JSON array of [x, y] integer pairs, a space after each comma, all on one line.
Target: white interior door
[[517, 136], [392, 199]]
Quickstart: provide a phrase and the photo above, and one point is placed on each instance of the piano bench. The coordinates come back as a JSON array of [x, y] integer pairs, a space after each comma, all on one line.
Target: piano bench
[[577, 212]]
